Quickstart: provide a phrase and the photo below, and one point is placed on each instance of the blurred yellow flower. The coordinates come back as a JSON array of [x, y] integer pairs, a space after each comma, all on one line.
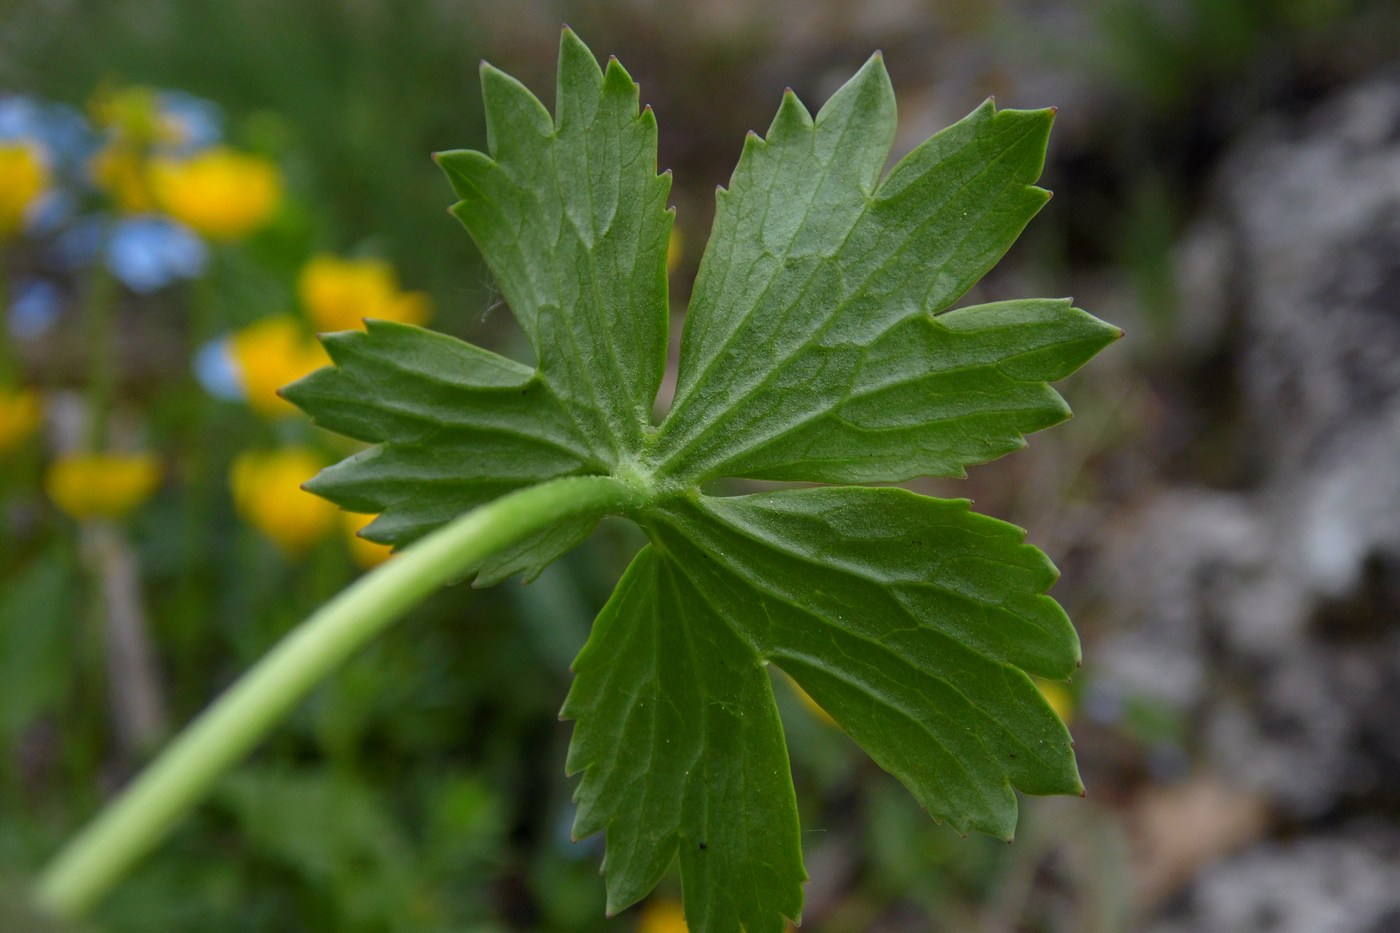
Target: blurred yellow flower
[[120, 170], [20, 410], [1058, 696], [267, 492], [220, 193], [23, 178], [339, 293], [364, 553], [270, 354], [101, 485], [675, 249], [662, 916]]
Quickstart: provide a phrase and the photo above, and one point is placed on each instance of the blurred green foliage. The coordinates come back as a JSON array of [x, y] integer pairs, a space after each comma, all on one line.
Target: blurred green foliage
[[357, 95]]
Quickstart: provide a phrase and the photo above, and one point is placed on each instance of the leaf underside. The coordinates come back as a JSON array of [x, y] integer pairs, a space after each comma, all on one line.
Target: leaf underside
[[819, 346]]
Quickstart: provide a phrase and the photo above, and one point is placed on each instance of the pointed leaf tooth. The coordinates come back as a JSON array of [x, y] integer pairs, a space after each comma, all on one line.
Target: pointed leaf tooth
[[580, 83], [857, 125], [516, 121], [469, 173], [791, 122]]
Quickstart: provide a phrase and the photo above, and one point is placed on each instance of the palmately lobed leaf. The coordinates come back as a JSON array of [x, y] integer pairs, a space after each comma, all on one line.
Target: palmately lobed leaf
[[821, 345]]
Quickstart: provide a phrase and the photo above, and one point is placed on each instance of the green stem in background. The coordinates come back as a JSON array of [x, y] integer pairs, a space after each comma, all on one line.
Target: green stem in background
[[99, 333], [202, 445], [133, 824], [11, 372]]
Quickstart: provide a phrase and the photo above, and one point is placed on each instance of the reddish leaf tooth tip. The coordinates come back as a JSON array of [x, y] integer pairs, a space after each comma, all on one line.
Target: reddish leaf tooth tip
[[1053, 110]]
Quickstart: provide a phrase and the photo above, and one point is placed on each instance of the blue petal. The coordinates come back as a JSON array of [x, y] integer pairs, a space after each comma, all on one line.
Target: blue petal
[[148, 253], [217, 371], [200, 122], [65, 136], [35, 308]]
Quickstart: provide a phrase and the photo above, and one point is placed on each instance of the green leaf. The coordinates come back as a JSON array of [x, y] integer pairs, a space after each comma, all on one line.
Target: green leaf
[[679, 741], [571, 217], [455, 426], [819, 346], [911, 620], [838, 276]]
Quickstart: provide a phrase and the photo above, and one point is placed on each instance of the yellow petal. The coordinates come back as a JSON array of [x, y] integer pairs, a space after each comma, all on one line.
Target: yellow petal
[[219, 192], [20, 412], [338, 293], [409, 308], [1058, 696], [662, 916], [24, 177], [675, 249], [363, 552], [269, 354], [267, 493], [102, 485]]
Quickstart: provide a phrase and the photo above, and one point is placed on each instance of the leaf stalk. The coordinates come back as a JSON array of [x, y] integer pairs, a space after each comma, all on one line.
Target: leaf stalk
[[219, 738]]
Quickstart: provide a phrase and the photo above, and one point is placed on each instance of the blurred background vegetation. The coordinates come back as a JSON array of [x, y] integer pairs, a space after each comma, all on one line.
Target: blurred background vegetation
[[190, 188]]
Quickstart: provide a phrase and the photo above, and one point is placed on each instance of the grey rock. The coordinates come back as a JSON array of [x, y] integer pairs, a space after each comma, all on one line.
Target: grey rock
[[1338, 883], [1269, 617]]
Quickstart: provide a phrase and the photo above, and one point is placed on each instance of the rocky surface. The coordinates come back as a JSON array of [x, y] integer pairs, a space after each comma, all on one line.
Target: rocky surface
[[1267, 615]]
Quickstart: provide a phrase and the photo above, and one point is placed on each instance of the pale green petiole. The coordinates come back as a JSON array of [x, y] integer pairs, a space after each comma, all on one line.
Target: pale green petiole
[[133, 824]]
